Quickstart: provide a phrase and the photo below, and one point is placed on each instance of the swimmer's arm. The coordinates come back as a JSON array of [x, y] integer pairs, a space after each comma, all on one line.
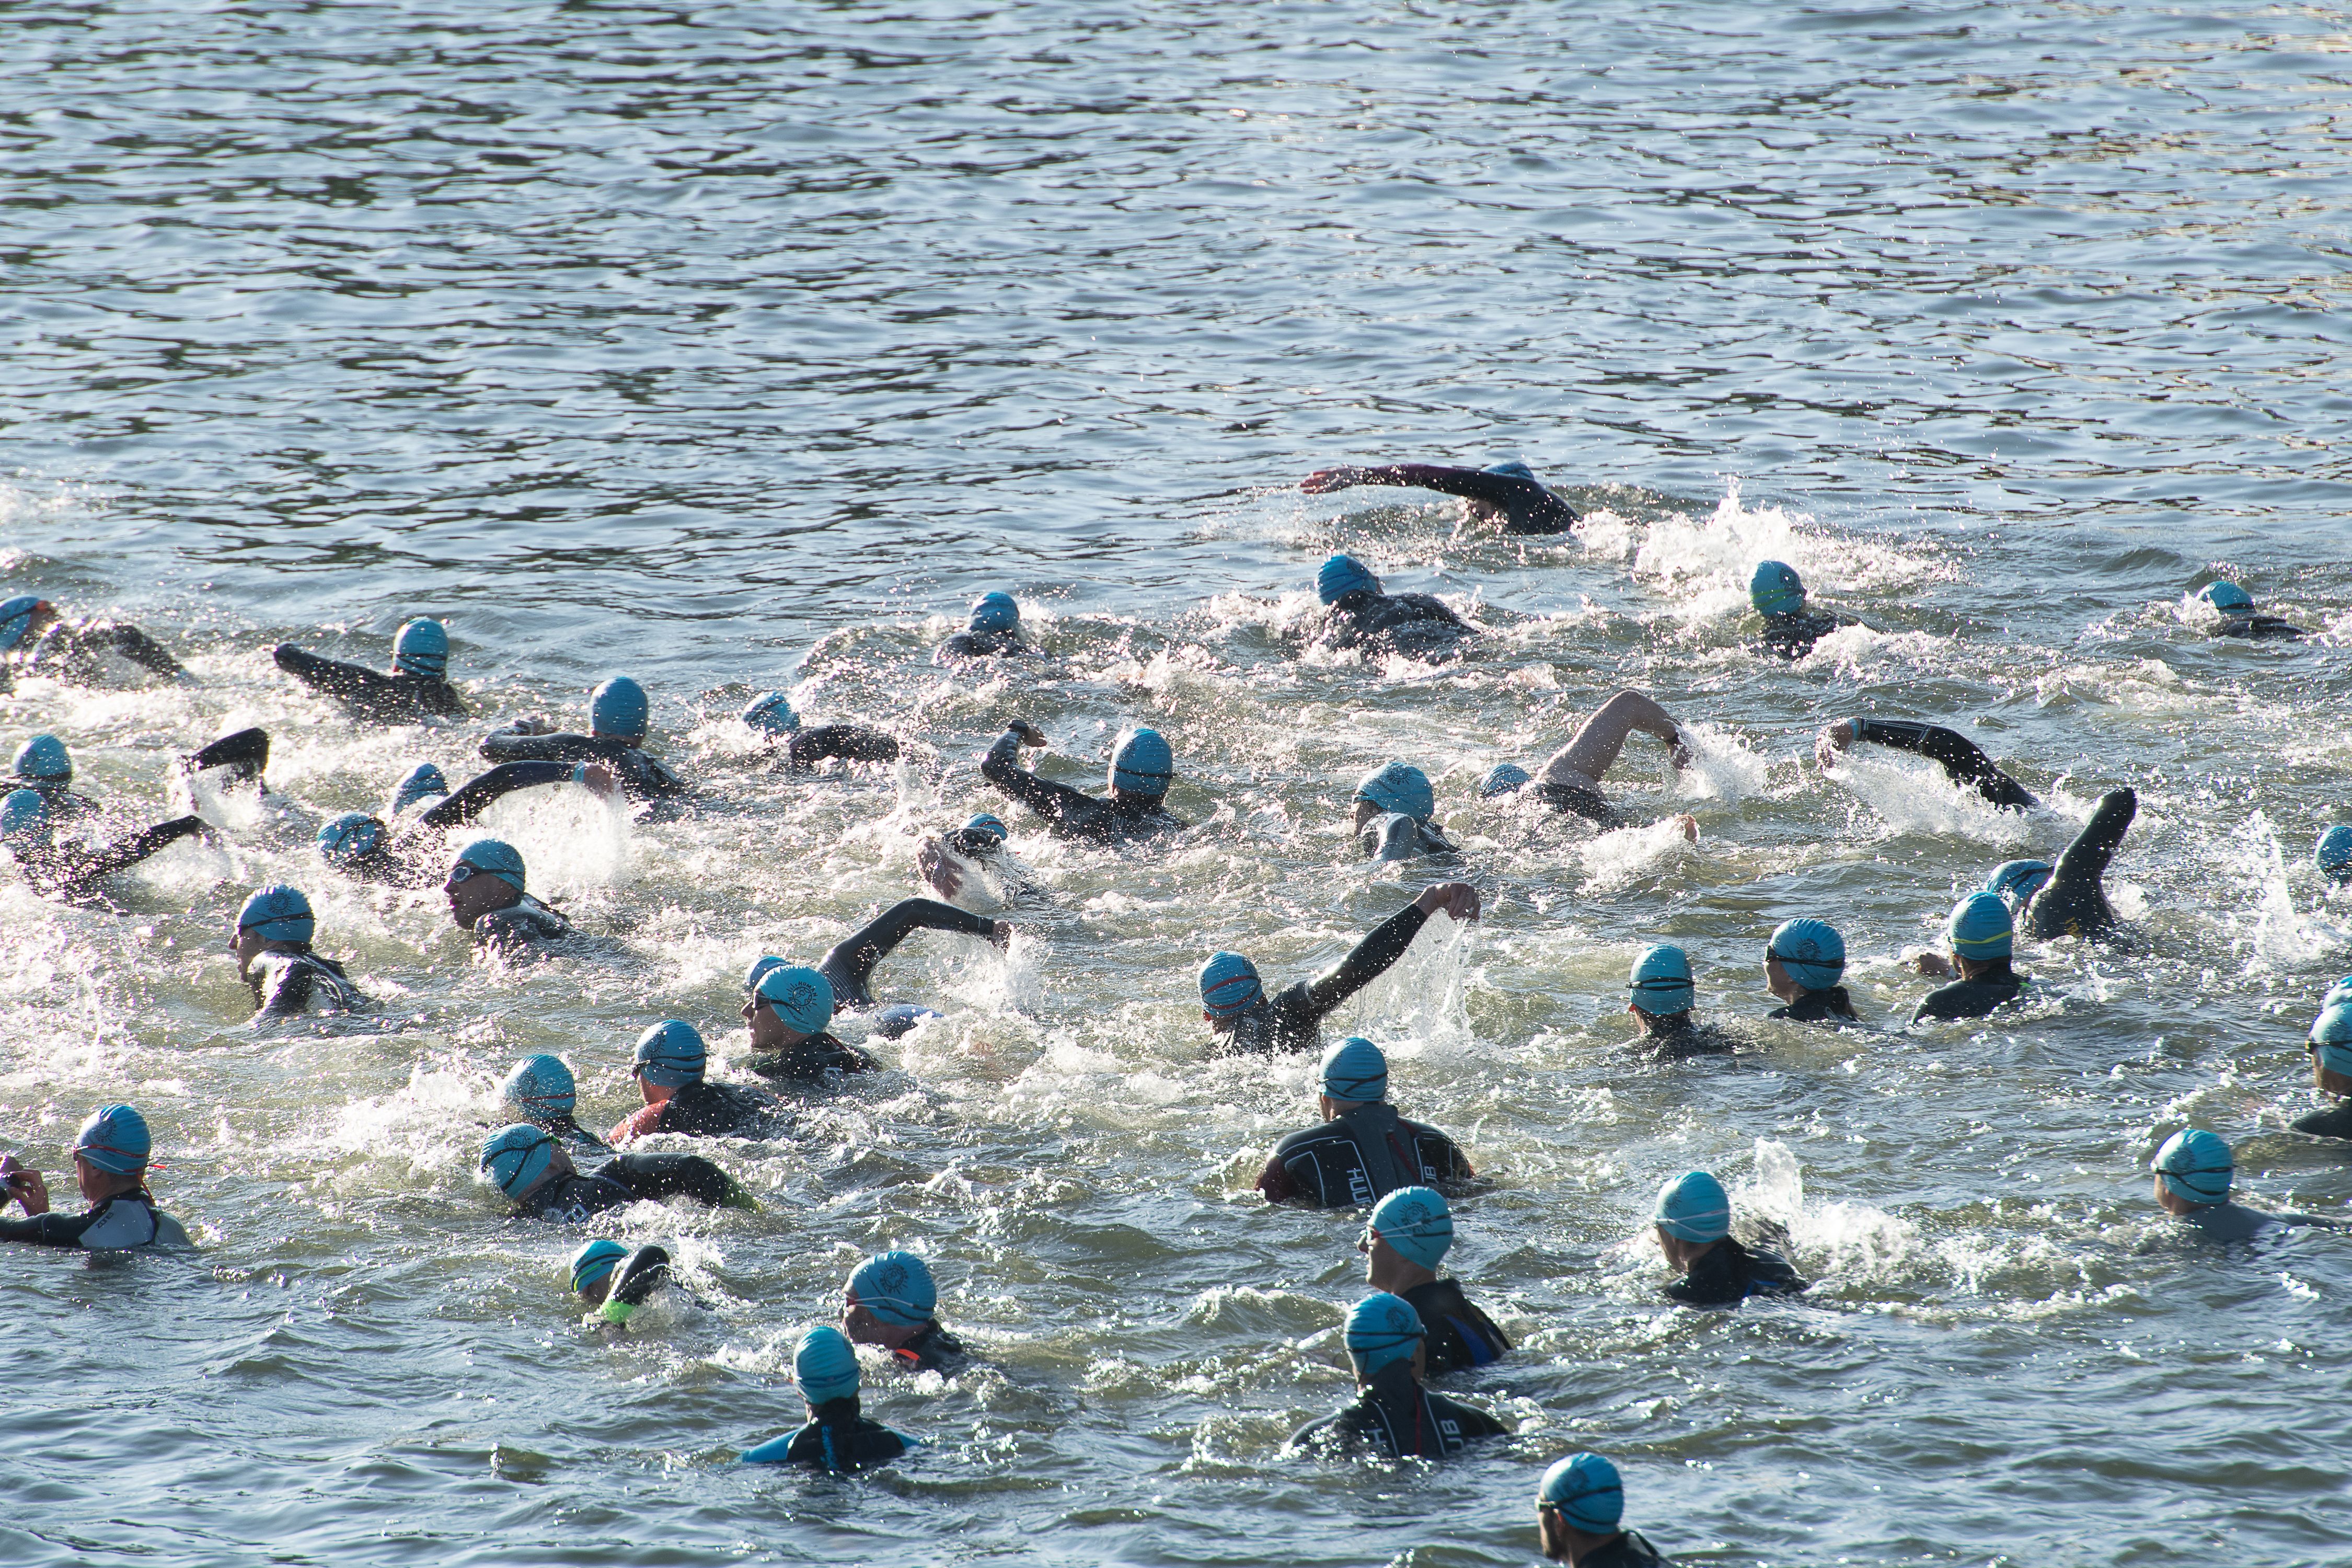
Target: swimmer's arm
[[1057, 803], [1371, 958], [851, 962], [1274, 1184], [330, 676], [136, 645], [479, 792], [129, 852], [1962, 760], [2085, 864], [1505, 492], [49, 1230], [853, 743], [248, 751]]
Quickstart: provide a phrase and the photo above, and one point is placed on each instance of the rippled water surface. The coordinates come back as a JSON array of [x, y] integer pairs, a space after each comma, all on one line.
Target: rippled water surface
[[740, 346]]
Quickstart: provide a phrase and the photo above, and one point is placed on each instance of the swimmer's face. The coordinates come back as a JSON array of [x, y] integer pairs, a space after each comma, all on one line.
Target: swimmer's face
[[1777, 981], [472, 893], [769, 1033], [1365, 812], [595, 1294], [858, 1323], [1481, 510]]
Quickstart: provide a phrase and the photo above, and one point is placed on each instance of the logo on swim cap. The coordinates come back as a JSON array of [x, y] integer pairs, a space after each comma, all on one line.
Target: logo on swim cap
[[895, 1287], [994, 612], [115, 1138], [1382, 1329], [801, 998], [1776, 589], [1342, 575], [16, 618], [2196, 1166], [1141, 763], [1356, 1069], [1415, 1223], [422, 648], [1980, 928], [278, 913], [1585, 1491], [824, 1365], [43, 760], [1229, 984], [618, 707], [1399, 787], [1693, 1208], [1810, 951], [1661, 981]]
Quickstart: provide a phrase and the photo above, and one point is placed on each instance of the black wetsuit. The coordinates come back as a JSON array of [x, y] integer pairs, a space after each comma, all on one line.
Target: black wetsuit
[[809, 1061], [851, 963], [933, 1348], [1402, 1419], [1418, 626], [980, 644], [1359, 1157], [1291, 1019], [1628, 1551], [2236, 1222], [71, 871], [705, 1110], [1393, 836], [58, 794], [1460, 1334], [1675, 1036], [2073, 902], [1528, 506], [110, 1225], [369, 695], [575, 1137], [2260, 627], [805, 749], [1731, 1271], [1963, 761], [2336, 1121], [642, 776], [1792, 636], [839, 1438], [1578, 800], [1971, 999], [76, 653], [1069, 813], [628, 1179], [287, 984], [1830, 1006], [519, 927]]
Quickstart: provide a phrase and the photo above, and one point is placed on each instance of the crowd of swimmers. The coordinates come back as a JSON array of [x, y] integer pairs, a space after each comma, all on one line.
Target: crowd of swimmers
[[1412, 1325]]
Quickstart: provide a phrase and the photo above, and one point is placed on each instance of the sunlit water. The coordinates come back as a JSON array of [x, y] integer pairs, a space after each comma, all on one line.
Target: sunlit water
[[741, 346]]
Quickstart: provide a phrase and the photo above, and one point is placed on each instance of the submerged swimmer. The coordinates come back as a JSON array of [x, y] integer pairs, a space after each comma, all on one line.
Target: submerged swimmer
[[838, 1436], [992, 632], [891, 1301], [1717, 1269], [2330, 1044], [402, 852], [1964, 763], [1983, 937], [2236, 617], [1393, 804], [669, 1070], [771, 716], [70, 870], [1580, 1518], [2193, 1171], [1505, 492], [1356, 615], [1244, 1018], [2333, 855], [946, 861], [1804, 966], [616, 1281], [527, 1166], [1141, 767], [487, 897], [1790, 629], [1571, 780], [1363, 1149], [1403, 1243], [43, 765], [272, 944], [541, 1090], [111, 1154], [1661, 1003], [790, 1009], [417, 688], [618, 718], [1394, 1414], [35, 639]]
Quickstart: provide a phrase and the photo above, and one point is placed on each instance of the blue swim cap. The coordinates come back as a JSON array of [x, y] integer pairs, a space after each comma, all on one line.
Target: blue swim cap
[[421, 782], [772, 714], [43, 758], [900, 1018], [1584, 1490], [1342, 575], [1812, 952], [1416, 1224], [895, 1287], [422, 648], [1399, 787], [346, 839], [2018, 881], [802, 999], [2226, 597], [1502, 779], [1662, 982], [618, 707], [115, 1139], [16, 618], [496, 857], [995, 613], [2333, 853], [1229, 984], [1382, 1329], [987, 825], [595, 1260], [2196, 1164], [759, 971], [1980, 928], [1693, 1208], [516, 1156], [1776, 589], [1356, 1069], [541, 1087], [670, 1054], [2331, 1037], [24, 814], [1141, 763], [1514, 469], [280, 914], [2339, 992], [824, 1365]]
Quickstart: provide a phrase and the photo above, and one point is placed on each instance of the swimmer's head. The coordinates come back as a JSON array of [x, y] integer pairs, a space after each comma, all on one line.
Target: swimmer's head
[[900, 1019], [516, 1157], [898, 1287], [422, 783], [1141, 763], [759, 972], [1229, 986], [1382, 1329], [2331, 1038], [670, 1054], [618, 709], [1514, 469], [2333, 854], [1399, 787], [115, 1138], [987, 825], [1502, 779], [2196, 1166], [801, 998], [771, 713], [1342, 575], [1776, 589], [1693, 1208], [495, 858], [592, 1265], [278, 913], [1662, 982], [346, 840], [994, 612], [1810, 951], [1585, 1491], [1415, 1223], [422, 648], [2338, 994], [43, 761], [2226, 599], [2018, 881], [541, 1087], [16, 618], [1980, 928], [1355, 1070], [825, 1366], [24, 817]]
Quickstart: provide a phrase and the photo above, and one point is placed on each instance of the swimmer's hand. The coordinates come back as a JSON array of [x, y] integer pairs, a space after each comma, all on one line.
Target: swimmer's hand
[[1679, 752], [1323, 481], [1689, 825], [1935, 965], [1831, 742], [26, 1185], [937, 867], [599, 778], [1030, 734], [1459, 899], [1003, 935]]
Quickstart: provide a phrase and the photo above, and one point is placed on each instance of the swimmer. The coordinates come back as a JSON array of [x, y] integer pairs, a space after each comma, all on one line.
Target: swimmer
[[2193, 1171], [1508, 492], [417, 688], [1983, 937], [1804, 966], [591, 1269], [527, 1166], [272, 944], [789, 1008], [2233, 608], [771, 718], [837, 1437], [1580, 1518], [942, 861], [43, 765], [2333, 855], [541, 1090], [849, 965], [1364, 1150], [2070, 899], [617, 1283], [1663, 998], [1356, 615], [111, 1155], [1394, 1414], [1244, 1018], [1404, 1240], [892, 1301], [668, 1069], [1964, 763], [2330, 1044], [619, 717], [1393, 804], [1789, 629], [69, 870], [1717, 1269], [1571, 780], [400, 852], [993, 632], [36, 640], [1141, 765], [487, 897]]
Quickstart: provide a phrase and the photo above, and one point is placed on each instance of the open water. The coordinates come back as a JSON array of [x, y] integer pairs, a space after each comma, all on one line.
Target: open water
[[733, 346]]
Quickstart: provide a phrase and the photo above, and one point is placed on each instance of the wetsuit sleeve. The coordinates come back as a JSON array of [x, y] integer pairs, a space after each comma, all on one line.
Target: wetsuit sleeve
[[330, 676], [247, 751], [1274, 1184], [646, 1121], [49, 1230], [1962, 760], [672, 1175], [510, 746], [1527, 502], [134, 644], [853, 743], [129, 852], [1069, 809], [2074, 899], [850, 964], [479, 792], [1370, 959]]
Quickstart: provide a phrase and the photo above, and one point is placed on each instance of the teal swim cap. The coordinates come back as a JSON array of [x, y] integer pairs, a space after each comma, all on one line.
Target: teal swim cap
[[541, 1087], [772, 714], [1662, 982], [43, 760], [1585, 1491], [1810, 951], [2196, 1164], [1399, 787], [987, 825], [1980, 928], [24, 817], [1141, 763], [895, 1287], [345, 840], [115, 1138], [2333, 853], [496, 857], [1514, 469], [1502, 779], [16, 618], [1415, 1223], [1382, 1329], [1776, 589], [2331, 1038], [2018, 881], [422, 648], [824, 1365], [595, 1261], [994, 612], [802, 999], [280, 914], [759, 971], [1342, 575], [1693, 1208], [516, 1156], [2339, 992], [1356, 1069], [2226, 597], [618, 707], [670, 1054], [424, 782], [1229, 984]]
